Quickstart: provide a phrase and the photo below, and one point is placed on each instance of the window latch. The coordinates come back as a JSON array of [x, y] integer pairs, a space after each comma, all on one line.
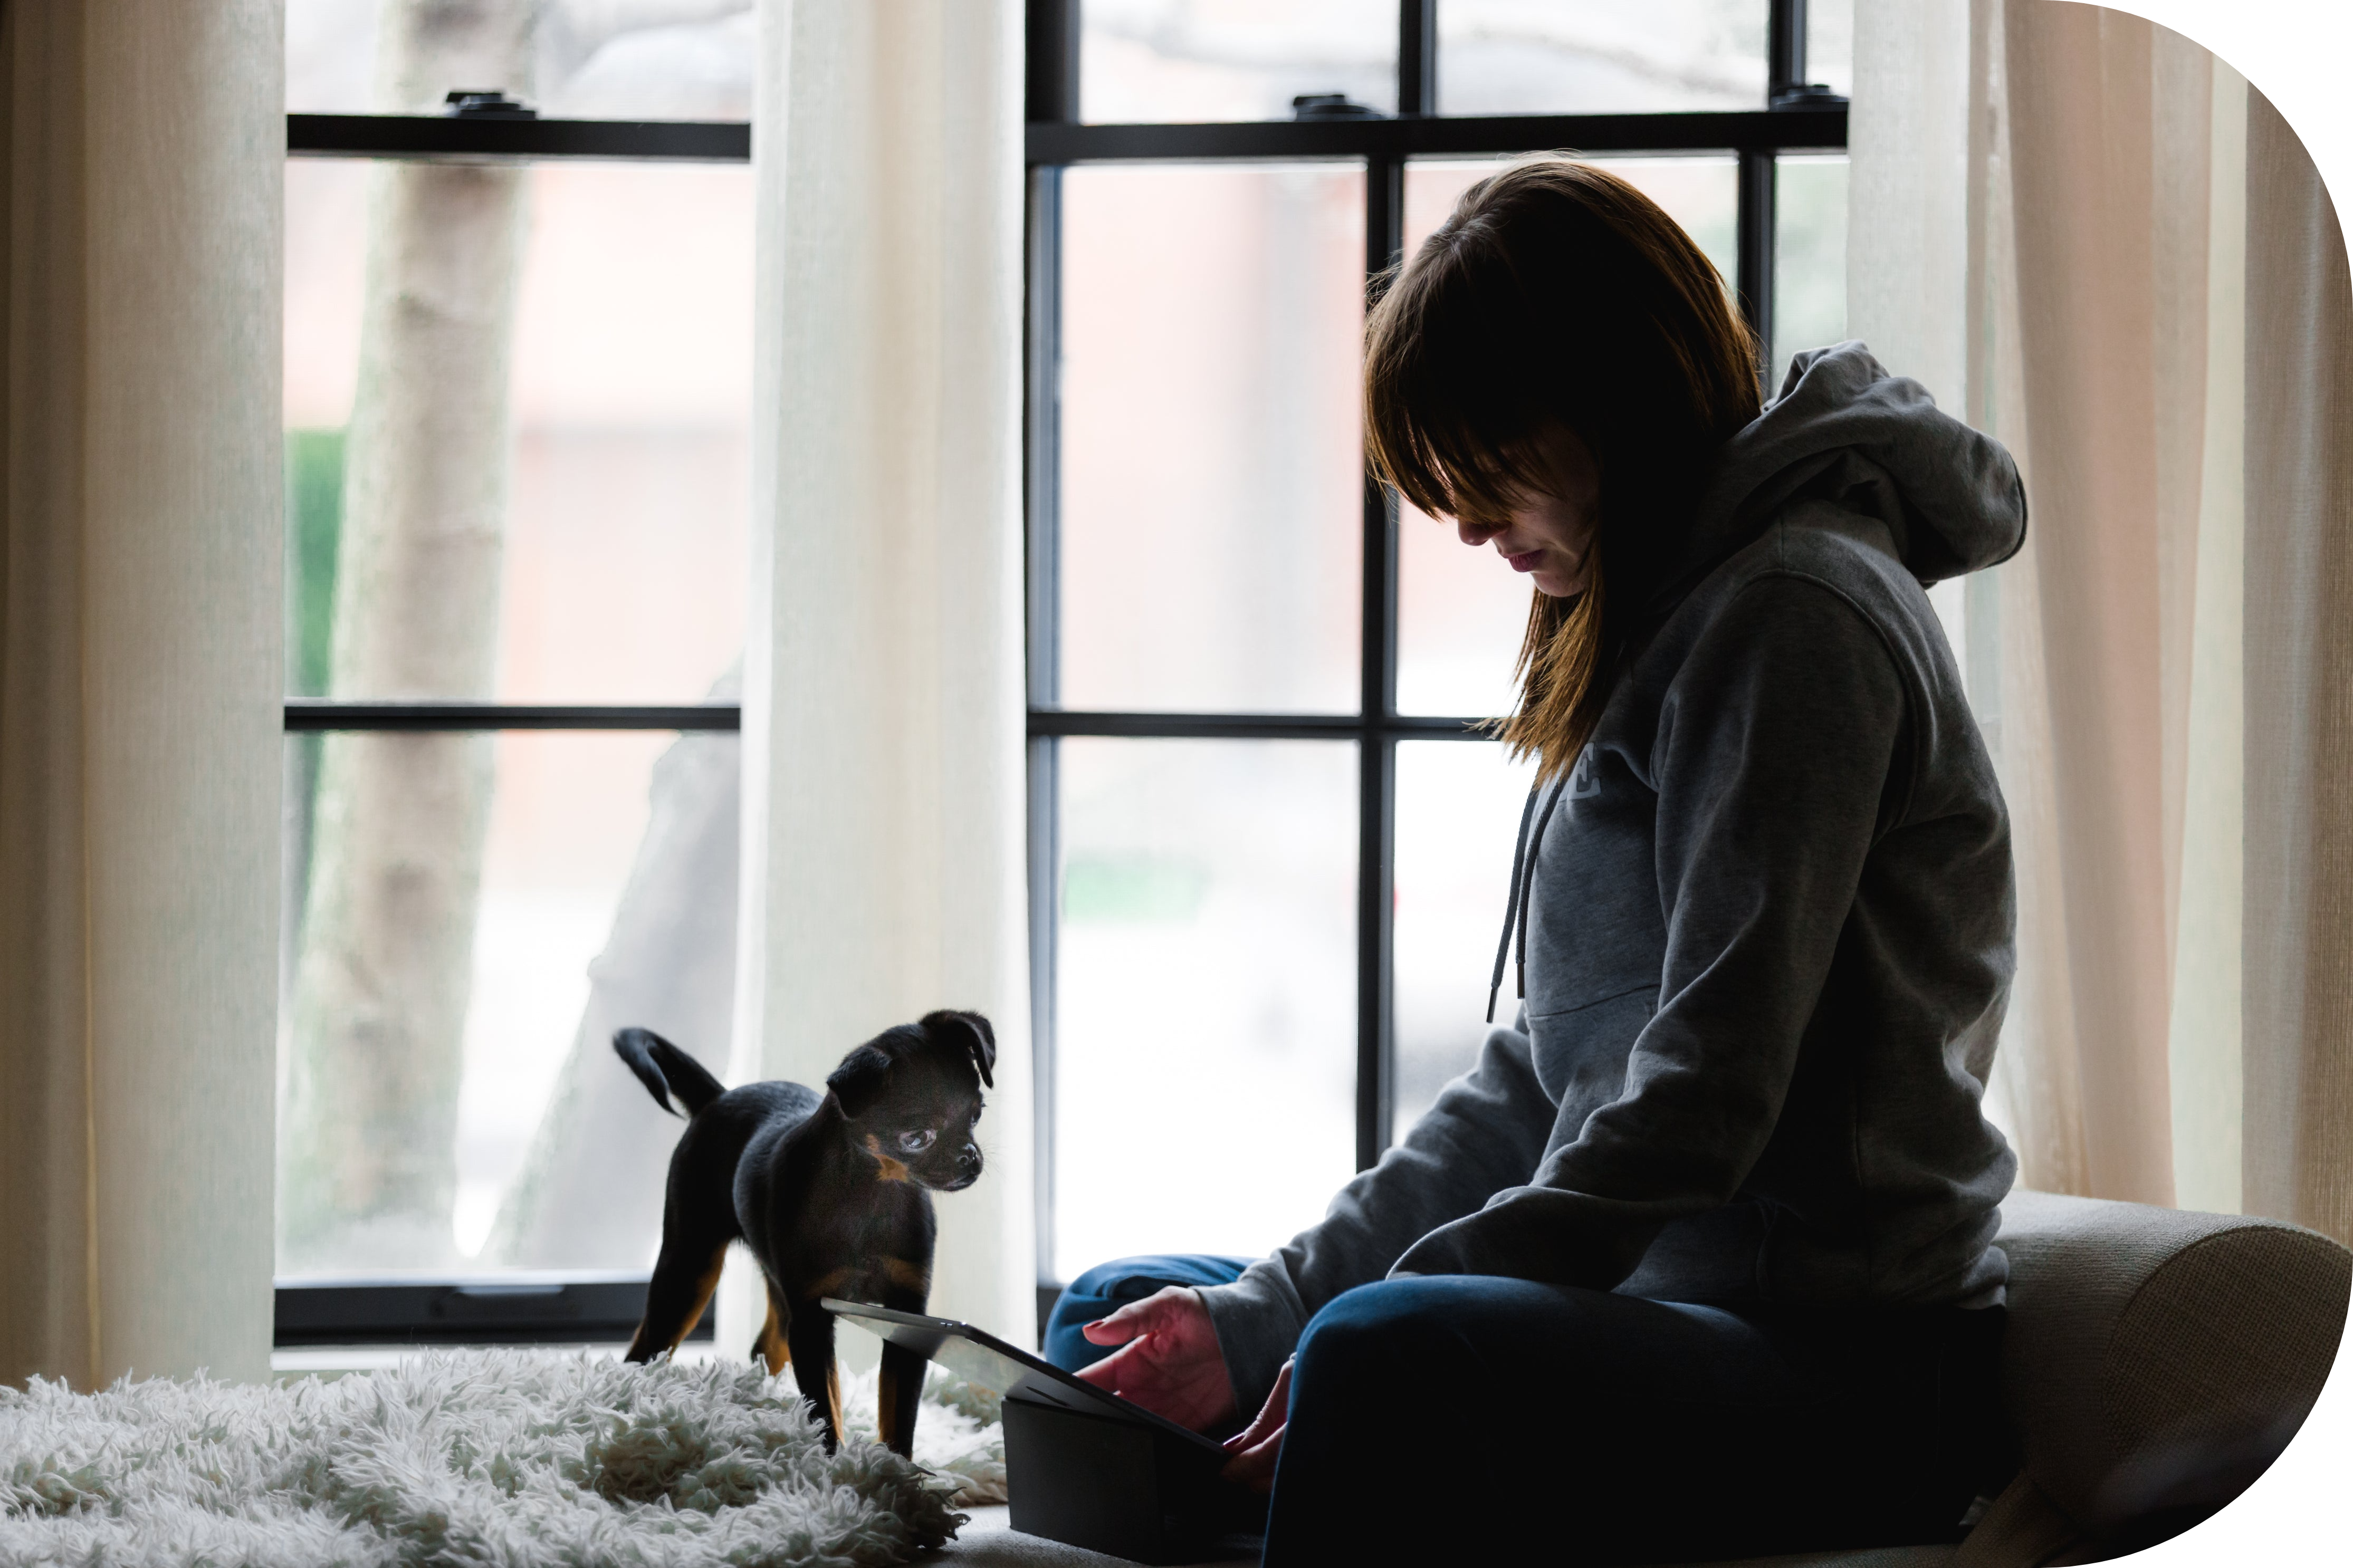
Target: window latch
[[481, 103]]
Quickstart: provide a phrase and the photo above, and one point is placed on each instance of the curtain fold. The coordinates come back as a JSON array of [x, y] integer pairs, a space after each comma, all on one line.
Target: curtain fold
[[2298, 1017], [884, 805], [2156, 309], [2090, 245], [141, 669]]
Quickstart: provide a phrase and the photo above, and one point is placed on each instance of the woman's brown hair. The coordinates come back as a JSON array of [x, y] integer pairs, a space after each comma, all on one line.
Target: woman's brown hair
[[1557, 295]]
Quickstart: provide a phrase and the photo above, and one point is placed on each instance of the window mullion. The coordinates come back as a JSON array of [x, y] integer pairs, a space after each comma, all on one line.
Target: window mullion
[[1754, 281], [1417, 90], [1785, 48], [1041, 417], [1376, 748], [1052, 77], [1785, 61]]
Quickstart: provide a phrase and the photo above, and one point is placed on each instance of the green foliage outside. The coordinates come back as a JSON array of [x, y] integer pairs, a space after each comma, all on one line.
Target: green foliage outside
[[314, 524], [1131, 888]]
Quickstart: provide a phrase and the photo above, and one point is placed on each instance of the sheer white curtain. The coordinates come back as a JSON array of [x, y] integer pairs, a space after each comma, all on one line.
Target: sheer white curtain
[[2299, 661], [140, 673], [2090, 237], [883, 696]]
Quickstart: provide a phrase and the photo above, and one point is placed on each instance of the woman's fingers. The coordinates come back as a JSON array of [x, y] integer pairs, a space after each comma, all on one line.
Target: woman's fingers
[[1118, 1328], [1116, 1371], [1254, 1466], [1256, 1449], [1136, 1318], [1270, 1417], [1168, 1360]]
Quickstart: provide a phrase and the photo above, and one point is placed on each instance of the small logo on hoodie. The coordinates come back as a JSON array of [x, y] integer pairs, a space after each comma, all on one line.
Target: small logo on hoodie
[[1582, 785]]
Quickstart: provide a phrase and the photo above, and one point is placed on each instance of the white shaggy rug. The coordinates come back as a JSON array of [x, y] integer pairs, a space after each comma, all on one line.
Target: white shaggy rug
[[502, 1459]]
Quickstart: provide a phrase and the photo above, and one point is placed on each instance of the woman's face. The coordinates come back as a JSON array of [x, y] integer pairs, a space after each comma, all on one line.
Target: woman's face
[[1551, 533]]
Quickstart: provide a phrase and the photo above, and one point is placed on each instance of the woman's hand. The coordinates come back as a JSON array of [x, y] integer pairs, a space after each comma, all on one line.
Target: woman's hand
[[1255, 1451], [1168, 1360]]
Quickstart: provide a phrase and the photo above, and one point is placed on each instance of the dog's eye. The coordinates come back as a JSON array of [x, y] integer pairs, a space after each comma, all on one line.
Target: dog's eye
[[916, 1142]]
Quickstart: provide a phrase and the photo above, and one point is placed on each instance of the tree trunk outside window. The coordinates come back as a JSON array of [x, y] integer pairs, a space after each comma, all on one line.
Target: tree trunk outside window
[[383, 978]]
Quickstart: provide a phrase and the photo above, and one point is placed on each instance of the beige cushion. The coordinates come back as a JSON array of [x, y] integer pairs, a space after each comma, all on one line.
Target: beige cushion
[[2159, 1360], [2156, 1361]]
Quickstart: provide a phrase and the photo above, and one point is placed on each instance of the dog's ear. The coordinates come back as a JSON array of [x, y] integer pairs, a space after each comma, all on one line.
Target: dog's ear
[[974, 1033], [861, 1079]]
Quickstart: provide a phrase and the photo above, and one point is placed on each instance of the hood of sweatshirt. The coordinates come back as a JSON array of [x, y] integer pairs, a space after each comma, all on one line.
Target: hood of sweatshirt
[[1843, 427]]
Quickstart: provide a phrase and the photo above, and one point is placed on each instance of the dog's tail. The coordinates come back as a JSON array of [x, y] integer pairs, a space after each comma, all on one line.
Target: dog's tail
[[666, 1070]]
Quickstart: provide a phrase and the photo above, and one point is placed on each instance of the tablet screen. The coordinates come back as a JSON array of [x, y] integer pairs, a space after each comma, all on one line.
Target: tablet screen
[[981, 1358]]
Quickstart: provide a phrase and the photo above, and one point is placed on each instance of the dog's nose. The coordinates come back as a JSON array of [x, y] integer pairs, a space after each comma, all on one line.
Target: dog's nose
[[968, 1158]]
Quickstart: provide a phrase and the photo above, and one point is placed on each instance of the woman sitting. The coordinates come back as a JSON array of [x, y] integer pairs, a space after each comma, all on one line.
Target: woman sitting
[[1697, 1261]]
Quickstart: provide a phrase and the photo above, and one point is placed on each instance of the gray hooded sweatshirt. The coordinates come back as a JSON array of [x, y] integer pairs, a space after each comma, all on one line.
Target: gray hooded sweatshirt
[[1768, 931]]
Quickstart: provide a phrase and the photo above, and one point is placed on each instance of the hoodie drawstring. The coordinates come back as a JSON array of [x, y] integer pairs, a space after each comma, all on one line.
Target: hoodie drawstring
[[1523, 884]]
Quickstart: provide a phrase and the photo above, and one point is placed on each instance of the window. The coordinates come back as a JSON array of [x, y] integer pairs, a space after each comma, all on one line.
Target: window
[[517, 391], [1268, 851]]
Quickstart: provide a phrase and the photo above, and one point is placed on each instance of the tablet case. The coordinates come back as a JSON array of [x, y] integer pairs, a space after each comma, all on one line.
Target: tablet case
[[1084, 1467]]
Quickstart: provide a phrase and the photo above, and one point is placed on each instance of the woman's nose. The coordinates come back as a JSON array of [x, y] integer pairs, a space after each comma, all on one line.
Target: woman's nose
[[1474, 535]]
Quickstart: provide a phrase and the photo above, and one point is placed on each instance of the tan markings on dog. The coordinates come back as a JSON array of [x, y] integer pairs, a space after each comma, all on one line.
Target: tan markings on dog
[[704, 1289], [892, 1170], [829, 1285], [833, 1397], [906, 1275], [774, 1350]]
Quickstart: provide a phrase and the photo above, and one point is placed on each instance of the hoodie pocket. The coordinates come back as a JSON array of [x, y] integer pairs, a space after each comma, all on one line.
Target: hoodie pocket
[[1580, 1052]]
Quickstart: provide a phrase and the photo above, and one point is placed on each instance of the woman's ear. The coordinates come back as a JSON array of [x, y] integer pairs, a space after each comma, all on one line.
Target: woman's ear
[[977, 1035], [859, 1081]]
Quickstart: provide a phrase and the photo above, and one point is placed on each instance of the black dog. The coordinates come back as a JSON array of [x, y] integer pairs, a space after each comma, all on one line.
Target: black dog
[[831, 1192]]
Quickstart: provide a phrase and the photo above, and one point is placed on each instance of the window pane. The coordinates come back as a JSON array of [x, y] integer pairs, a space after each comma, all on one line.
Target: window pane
[[469, 919], [1459, 616], [1701, 193], [1458, 805], [595, 552], [650, 60], [1205, 1023], [1186, 60], [1599, 57], [1460, 611], [1829, 44], [1211, 497], [1809, 261]]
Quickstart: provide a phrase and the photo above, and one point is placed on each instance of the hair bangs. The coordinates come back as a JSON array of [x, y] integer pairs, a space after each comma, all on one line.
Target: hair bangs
[[1556, 294], [1441, 424]]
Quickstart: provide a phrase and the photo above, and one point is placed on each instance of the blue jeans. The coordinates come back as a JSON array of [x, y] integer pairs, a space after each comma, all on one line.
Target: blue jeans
[[1453, 1418], [1102, 1290]]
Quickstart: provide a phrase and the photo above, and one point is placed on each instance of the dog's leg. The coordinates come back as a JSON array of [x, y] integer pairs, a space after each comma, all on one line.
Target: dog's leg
[[809, 1338], [684, 1278], [774, 1347], [898, 1390], [698, 1222]]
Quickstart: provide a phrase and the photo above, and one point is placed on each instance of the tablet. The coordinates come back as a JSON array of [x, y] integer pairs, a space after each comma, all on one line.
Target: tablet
[[979, 1357]]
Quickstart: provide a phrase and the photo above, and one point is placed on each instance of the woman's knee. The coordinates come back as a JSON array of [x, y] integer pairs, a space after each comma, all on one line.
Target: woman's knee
[[1377, 1327], [1105, 1278], [1107, 1287], [1132, 1279]]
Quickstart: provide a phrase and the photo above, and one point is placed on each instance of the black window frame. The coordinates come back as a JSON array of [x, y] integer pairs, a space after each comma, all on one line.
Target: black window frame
[[1794, 119], [569, 1307], [581, 1307]]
